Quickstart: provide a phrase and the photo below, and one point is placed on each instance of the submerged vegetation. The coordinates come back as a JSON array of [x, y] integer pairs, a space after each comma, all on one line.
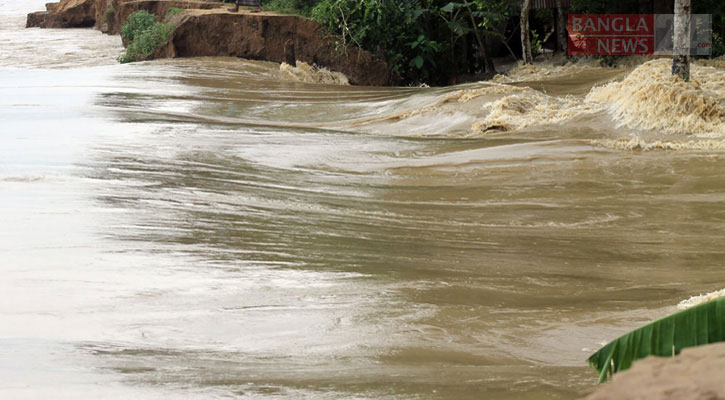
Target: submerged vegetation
[[144, 33]]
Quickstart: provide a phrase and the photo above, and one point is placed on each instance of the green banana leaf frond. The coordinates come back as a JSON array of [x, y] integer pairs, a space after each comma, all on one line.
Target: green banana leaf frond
[[702, 324]]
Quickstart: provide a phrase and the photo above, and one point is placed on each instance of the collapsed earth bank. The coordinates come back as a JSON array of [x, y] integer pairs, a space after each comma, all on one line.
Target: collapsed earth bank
[[695, 374], [206, 28]]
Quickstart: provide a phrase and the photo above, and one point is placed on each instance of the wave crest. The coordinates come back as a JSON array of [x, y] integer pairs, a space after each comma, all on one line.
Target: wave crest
[[304, 72], [650, 98], [530, 107]]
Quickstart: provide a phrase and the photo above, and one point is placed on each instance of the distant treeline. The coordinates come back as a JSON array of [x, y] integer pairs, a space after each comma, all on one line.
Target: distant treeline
[[439, 41]]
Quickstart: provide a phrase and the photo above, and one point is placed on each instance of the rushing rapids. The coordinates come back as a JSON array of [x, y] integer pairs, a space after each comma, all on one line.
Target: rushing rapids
[[305, 72], [214, 228]]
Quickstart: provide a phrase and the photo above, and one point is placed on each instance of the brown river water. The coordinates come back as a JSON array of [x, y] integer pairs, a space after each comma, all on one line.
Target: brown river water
[[212, 229]]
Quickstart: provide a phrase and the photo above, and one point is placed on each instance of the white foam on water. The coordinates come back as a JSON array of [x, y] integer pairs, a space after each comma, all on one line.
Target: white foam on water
[[307, 73], [528, 107], [540, 71], [636, 143], [650, 98], [700, 299]]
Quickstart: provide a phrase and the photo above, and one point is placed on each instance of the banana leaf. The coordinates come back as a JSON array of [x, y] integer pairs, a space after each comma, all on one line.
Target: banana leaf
[[702, 324]]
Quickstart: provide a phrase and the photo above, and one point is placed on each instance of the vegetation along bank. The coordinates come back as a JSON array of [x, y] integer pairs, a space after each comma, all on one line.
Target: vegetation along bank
[[437, 42]]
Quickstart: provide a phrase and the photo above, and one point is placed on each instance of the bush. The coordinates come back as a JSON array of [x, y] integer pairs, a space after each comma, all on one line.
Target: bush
[[422, 40], [536, 45], [718, 47], [137, 22], [389, 25], [144, 36]]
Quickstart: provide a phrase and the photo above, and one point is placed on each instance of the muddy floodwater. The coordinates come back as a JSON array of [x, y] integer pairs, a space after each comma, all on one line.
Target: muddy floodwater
[[212, 229]]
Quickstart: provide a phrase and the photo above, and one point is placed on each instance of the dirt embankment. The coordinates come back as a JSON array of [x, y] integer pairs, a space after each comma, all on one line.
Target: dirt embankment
[[695, 374], [208, 29], [263, 36], [106, 15], [66, 14]]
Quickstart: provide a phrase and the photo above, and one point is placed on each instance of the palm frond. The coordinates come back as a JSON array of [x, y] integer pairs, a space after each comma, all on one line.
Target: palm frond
[[666, 337]]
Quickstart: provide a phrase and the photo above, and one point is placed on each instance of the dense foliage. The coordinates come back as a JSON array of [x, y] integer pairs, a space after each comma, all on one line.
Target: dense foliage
[[718, 47], [137, 22], [423, 40], [388, 25], [436, 41], [145, 34]]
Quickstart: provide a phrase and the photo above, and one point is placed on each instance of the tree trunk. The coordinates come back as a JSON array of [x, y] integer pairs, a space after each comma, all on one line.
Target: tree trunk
[[487, 62], [681, 53], [525, 36], [562, 36], [488, 66]]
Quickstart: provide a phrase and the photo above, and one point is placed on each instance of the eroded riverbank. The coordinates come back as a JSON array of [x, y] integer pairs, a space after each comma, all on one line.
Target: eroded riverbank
[[202, 228], [207, 28]]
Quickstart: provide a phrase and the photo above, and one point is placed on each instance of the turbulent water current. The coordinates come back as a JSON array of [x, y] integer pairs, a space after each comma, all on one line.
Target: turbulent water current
[[213, 228]]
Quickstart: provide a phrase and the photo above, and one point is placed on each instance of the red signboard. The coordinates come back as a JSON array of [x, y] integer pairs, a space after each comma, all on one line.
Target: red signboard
[[611, 34]]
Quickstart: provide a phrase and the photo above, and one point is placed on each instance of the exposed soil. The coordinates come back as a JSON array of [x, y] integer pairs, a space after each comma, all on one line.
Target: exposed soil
[[262, 36], [696, 374], [206, 28], [66, 14]]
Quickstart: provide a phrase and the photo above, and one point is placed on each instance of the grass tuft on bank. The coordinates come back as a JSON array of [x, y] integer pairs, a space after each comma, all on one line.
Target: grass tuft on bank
[[292, 7]]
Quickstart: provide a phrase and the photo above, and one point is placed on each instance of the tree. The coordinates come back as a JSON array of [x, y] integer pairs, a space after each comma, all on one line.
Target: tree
[[525, 36], [464, 18], [487, 62], [457, 27], [681, 53], [561, 22]]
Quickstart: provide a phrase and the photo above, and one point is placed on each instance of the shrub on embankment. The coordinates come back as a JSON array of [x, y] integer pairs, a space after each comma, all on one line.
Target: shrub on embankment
[[431, 41], [443, 41], [144, 33], [387, 25]]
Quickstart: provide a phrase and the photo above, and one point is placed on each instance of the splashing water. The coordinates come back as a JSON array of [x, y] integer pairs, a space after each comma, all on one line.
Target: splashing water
[[650, 98], [212, 228], [533, 72], [637, 143], [529, 107], [305, 72], [703, 298]]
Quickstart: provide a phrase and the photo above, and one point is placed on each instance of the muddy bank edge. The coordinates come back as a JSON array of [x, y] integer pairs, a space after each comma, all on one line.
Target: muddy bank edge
[[207, 29]]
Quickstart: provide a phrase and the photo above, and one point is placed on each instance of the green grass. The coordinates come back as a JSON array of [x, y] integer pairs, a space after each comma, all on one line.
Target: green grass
[[292, 7], [173, 11]]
